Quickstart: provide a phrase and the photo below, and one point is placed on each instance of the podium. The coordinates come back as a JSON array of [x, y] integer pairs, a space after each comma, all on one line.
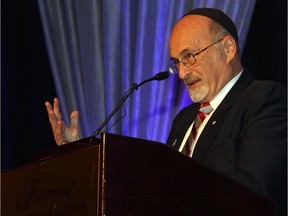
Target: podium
[[118, 175]]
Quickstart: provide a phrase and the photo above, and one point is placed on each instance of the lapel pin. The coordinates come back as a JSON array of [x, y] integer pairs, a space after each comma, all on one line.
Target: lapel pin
[[174, 143], [214, 122]]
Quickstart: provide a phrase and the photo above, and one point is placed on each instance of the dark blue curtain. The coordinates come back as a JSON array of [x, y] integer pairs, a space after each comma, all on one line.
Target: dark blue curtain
[[98, 49]]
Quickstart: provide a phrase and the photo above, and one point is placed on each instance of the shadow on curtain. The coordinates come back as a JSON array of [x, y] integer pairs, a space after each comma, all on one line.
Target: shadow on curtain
[[98, 49]]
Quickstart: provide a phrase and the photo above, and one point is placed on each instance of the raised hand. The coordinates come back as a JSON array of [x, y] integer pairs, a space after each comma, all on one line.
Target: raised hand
[[62, 133]]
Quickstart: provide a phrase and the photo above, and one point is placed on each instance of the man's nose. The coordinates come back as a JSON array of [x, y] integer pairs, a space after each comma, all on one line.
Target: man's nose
[[183, 71]]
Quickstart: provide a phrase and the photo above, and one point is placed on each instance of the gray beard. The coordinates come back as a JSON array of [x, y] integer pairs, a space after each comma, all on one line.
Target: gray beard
[[199, 93]]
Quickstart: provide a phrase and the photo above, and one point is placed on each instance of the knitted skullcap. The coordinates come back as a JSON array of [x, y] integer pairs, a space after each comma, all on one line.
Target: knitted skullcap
[[219, 17]]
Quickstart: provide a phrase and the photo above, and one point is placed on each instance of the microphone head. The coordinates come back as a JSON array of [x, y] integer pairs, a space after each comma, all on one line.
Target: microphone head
[[162, 75]]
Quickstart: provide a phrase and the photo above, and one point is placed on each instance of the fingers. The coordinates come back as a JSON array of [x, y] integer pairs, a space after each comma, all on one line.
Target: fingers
[[54, 112], [56, 109], [48, 106], [59, 133], [52, 117], [74, 118]]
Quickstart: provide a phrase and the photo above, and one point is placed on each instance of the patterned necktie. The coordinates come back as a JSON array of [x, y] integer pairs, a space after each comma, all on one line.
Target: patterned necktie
[[204, 110]]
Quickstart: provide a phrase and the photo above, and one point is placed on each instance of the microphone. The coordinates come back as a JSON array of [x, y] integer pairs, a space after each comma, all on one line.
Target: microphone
[[159, 76], [162, 75]]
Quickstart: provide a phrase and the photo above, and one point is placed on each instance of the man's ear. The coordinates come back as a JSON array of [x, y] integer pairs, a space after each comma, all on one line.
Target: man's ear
[[230, 47]]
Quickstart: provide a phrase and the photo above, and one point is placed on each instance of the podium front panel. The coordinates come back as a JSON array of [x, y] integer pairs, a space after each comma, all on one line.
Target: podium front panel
[[68, 184]]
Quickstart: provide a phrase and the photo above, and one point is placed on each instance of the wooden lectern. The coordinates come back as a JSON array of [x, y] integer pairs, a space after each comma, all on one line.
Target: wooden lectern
[[119, 175]]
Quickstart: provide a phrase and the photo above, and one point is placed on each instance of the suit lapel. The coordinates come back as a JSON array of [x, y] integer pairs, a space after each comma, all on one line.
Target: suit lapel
[[210, 131], [190, 111], [217, 119]]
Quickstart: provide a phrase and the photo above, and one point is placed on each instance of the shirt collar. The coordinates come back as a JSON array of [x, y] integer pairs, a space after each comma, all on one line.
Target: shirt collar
[[221, 95]]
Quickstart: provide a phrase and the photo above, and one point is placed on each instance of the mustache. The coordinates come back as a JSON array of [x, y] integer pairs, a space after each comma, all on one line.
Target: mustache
[[190, 79]]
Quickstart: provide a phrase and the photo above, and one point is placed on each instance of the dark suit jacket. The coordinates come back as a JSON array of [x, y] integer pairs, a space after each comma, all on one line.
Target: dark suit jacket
[[245, 137]]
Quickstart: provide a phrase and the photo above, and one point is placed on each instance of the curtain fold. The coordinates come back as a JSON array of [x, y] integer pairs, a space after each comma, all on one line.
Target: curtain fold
[[98, 49]]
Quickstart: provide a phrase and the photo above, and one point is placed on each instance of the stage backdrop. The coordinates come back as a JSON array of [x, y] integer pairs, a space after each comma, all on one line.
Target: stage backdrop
[[98, 48]]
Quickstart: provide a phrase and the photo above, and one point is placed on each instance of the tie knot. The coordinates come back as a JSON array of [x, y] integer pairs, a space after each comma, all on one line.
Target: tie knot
[[206, 108]]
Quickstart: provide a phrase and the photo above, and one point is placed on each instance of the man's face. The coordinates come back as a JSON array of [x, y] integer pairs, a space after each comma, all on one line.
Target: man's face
[[208, 75]]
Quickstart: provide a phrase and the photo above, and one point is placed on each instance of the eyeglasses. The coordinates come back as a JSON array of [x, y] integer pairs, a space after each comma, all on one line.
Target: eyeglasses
[[188, 60]]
